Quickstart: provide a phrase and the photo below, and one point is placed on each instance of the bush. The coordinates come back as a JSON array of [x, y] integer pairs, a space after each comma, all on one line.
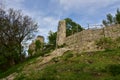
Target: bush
[[106, 43], [118, 42], [20, 77], [67, 55], [62, 46], [56, 59], [30, 52], [114, 69]]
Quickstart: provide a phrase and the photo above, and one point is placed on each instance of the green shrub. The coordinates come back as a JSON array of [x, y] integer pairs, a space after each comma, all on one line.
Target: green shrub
[[118, 42], [30, 52], [67, 55], [106, 43], [20, 77], [114, 69], [118, 39], [56, 59], [48, 48]]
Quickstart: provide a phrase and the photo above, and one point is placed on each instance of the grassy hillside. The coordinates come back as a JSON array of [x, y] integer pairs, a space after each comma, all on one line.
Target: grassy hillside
[[100, 65]]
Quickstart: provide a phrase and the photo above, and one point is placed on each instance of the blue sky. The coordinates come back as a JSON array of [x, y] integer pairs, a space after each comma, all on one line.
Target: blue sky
[[47, 13]]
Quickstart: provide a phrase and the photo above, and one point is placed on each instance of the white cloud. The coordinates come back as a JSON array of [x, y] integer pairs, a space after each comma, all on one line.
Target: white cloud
[[68, 4], [50, 21], [88, 11], [88, 7], [63, 8], [17, 4], [46, 23]]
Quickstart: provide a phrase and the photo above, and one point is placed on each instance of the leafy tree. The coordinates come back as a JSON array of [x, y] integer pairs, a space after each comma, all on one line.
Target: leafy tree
[[118, 16], [30, 52], [105, 22], [38, 45], [51, 42], [112, 19], [72, 27], [52, 38], [14, 29]]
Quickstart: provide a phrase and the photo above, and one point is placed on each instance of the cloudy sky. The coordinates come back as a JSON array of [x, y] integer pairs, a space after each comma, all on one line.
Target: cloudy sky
[[47, 13]]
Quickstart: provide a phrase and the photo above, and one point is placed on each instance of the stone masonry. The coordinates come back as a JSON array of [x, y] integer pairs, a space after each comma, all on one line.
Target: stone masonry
[[85, 40], [61, 34]]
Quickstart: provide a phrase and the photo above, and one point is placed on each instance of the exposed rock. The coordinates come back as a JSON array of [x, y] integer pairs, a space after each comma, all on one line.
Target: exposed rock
[[10, 77]]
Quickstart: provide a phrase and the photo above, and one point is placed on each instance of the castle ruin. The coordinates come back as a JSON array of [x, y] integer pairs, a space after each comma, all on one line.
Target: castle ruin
[[61, 34], [32, 45], [85, 40]]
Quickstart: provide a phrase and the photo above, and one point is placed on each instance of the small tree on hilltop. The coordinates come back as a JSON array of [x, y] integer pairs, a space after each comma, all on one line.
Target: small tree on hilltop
[[112, 19], [118, 16], [52, 38], [38, 45]]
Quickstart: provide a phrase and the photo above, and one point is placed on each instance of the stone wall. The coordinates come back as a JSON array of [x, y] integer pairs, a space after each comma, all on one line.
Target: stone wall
[[85, 40]]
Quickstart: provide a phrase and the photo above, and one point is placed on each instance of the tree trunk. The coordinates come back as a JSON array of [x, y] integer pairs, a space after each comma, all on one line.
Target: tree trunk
[[20, 51], [11, 62]]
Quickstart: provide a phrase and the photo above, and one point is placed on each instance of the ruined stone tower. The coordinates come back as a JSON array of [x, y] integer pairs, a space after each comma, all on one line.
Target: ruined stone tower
[[61, 34], [40, 38], [32, 45]]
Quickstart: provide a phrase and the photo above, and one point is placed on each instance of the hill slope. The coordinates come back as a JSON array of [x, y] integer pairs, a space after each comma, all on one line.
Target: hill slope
[[100, 65]]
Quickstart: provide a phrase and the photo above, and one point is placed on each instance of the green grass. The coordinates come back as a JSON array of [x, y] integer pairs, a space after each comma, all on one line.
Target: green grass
[[17, 68], [100, 65]]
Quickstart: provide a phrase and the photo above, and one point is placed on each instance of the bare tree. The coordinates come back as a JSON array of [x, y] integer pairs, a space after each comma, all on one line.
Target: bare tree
[[14, 28]]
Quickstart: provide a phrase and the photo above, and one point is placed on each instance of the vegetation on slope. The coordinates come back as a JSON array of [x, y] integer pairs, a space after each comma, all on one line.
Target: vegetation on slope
[[100, 65]]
